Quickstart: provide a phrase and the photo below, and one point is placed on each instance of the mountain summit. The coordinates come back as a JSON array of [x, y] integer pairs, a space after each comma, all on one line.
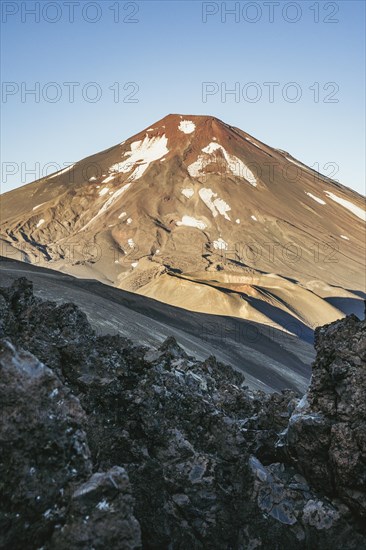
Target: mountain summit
[[199, 214]]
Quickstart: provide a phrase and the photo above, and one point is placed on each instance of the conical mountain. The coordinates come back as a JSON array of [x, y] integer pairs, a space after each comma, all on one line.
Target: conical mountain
[[201, 215]]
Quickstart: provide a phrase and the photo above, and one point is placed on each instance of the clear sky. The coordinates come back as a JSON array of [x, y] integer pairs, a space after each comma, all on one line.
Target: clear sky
[[297, 69]]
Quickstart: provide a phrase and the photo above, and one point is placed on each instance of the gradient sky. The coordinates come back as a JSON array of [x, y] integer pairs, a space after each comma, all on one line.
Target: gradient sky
[[169, 52]]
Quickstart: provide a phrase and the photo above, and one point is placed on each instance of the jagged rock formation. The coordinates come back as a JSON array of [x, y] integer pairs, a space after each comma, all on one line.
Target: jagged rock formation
[[43, 448], [100, 515], [116, 438], [327, 438]]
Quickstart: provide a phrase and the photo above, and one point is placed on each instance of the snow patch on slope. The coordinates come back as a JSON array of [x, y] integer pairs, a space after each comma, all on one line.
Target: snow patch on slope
[[38, 205], [188, 192], [222, 207], [315, 198], [109, 178], [195, 169], [141, 155], [236, 166], [40, 223], [356, 210], [217, 206], [187, 126], [115, 195], [220, 244], [108, 203], [61, 171], [188, 221]]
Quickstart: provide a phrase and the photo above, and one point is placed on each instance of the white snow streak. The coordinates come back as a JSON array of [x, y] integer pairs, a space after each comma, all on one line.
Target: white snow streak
[[115, 195], [220, 244], [109, 178], [192, 222], [320, 201], [62, 171], [222, 207], [187, 126], [217, 205], [187, 192], [235, 165], [40, 223], [141, 155], [356, 210], [38, 205], [195, 169], [108, 203]]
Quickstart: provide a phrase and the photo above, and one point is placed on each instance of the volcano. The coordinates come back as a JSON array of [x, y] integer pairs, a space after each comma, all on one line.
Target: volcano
[[200, 215]]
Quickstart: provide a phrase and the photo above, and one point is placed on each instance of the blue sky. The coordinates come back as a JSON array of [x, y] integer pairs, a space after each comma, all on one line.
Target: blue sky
[[168, 53]]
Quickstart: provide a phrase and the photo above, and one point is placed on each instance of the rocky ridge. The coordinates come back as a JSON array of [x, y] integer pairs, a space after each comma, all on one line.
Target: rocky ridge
[[109, 444]]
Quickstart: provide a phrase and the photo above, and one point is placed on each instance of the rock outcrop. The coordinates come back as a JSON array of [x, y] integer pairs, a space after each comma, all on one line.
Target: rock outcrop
[[129, 447], [326, 436]]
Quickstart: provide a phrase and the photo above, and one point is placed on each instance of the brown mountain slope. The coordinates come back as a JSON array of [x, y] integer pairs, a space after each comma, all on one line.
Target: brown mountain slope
[[201, 215], [270, 359]]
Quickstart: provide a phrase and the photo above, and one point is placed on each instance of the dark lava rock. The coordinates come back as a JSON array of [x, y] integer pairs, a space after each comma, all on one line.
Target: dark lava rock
[[326, 436], [180, 449], [44, 452], [100, 515]]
